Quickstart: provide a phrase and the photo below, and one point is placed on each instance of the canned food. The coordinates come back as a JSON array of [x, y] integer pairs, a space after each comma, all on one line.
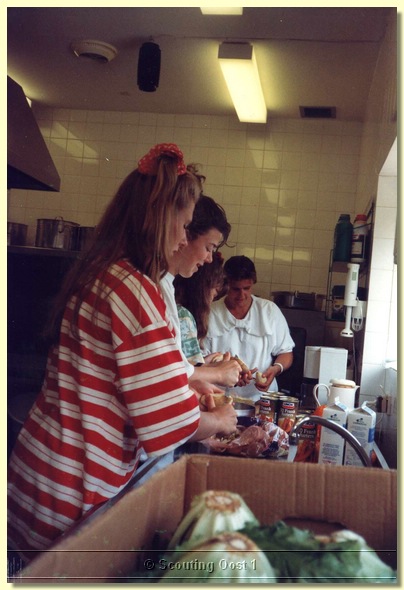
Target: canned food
[[268, 407], [287, 412], [307, 446]]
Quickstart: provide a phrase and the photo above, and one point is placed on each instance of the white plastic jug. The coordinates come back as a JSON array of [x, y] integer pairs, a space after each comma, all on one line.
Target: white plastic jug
[[343, 389]]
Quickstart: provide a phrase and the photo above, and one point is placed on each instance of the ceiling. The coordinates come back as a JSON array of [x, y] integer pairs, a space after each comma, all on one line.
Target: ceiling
[[306, 57]]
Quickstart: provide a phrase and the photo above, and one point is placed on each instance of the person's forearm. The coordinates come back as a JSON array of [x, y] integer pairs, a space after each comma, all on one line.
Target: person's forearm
[[224, 373], [208, 426], [219, 420], [284, 359], [213, 374], [282, 362], [206, 373]]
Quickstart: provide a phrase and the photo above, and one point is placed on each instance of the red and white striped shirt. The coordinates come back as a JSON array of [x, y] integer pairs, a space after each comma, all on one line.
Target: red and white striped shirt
[[121, 387]]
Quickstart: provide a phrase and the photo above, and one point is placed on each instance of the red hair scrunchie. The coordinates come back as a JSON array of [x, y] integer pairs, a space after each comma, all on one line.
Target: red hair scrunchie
[[149, 163]]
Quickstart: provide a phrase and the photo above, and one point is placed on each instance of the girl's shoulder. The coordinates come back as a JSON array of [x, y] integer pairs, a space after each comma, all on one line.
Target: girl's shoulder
[[122, 276], [183, 312], [124, 270]]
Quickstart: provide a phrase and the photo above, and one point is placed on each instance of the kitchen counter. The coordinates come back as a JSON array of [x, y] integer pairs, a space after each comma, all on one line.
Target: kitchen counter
[[201, 449]]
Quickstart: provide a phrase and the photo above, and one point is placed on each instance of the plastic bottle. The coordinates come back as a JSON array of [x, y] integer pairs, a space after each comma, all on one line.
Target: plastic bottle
[[343, 239], [359, 239]]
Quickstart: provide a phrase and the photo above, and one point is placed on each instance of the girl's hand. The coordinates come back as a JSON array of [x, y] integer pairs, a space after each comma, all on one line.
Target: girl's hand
[[215, 357], [227, 419], [246, 377]]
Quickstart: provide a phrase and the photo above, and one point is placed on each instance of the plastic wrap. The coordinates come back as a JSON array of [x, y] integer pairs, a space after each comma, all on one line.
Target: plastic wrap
[[261, 440]]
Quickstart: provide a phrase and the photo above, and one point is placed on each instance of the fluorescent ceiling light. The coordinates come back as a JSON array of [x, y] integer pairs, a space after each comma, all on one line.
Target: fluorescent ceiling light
[[240, 71], [214, 10]]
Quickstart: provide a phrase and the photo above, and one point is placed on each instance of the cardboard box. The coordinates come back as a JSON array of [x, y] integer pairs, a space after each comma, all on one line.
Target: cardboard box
[[332, 445], [319, 497], [361, 423]]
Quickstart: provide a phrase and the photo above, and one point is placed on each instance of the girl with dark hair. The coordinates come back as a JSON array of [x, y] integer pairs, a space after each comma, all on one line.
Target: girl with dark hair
[[208, 231], [194, 297], [115, 384]]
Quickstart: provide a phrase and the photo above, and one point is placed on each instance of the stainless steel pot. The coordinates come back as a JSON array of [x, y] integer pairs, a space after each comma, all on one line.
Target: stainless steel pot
[[16, 233], [244, 409], [245, 415], [56, 233], [85, 237], [298, 300]]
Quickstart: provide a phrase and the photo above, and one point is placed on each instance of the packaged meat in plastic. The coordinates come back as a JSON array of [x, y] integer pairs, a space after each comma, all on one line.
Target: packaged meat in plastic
[[263, 440]]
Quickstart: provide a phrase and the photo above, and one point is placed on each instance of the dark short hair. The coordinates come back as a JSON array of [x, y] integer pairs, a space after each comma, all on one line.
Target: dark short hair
[[238, 268], [208, 215]]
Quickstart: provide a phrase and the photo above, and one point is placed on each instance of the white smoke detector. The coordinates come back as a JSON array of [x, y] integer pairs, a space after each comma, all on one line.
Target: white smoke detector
[[96, 50]]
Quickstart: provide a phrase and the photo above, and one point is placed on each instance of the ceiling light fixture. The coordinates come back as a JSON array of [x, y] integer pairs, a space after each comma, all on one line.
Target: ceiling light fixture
[[240, 71], [213, 10]]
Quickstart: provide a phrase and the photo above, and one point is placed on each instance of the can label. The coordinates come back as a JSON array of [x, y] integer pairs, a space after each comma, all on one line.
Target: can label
[[268, 408], [287, 413], [307, 446]]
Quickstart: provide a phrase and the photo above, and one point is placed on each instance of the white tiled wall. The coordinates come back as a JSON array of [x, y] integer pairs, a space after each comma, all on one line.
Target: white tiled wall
[[381, 326], [378, 181], [283, 185]]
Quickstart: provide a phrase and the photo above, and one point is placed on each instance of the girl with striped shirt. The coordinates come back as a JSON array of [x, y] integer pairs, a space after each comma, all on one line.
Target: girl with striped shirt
[[115, 381]]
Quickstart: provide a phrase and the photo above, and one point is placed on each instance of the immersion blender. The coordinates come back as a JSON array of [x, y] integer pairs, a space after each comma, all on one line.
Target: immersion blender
[[350, 298]]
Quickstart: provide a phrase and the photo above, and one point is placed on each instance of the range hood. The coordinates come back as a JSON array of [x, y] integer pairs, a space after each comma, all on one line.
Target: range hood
[[29, 163]]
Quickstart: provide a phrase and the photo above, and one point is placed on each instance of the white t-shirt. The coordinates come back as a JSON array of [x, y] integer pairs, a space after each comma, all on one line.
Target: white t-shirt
[[256, 339], [168, 292]]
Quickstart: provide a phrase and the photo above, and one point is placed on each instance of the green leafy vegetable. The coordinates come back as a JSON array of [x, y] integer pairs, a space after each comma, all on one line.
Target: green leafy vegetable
[[298, 556]]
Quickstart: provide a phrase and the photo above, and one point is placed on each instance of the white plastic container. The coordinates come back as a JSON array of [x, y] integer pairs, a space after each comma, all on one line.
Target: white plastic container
[[332, 444], [361, 423]]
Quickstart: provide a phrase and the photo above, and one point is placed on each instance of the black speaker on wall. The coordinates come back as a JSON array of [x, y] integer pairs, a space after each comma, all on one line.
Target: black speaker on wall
[[148, 67]]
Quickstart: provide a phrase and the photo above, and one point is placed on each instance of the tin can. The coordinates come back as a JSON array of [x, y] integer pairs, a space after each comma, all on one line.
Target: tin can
[[307, 447], [268, 407], [287, 412]]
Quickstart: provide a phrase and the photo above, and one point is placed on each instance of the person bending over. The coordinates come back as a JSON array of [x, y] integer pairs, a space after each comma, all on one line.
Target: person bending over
[[115, 384]]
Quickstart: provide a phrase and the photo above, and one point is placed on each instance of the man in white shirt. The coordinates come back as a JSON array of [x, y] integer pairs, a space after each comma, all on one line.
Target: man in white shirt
[[250, 327]]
